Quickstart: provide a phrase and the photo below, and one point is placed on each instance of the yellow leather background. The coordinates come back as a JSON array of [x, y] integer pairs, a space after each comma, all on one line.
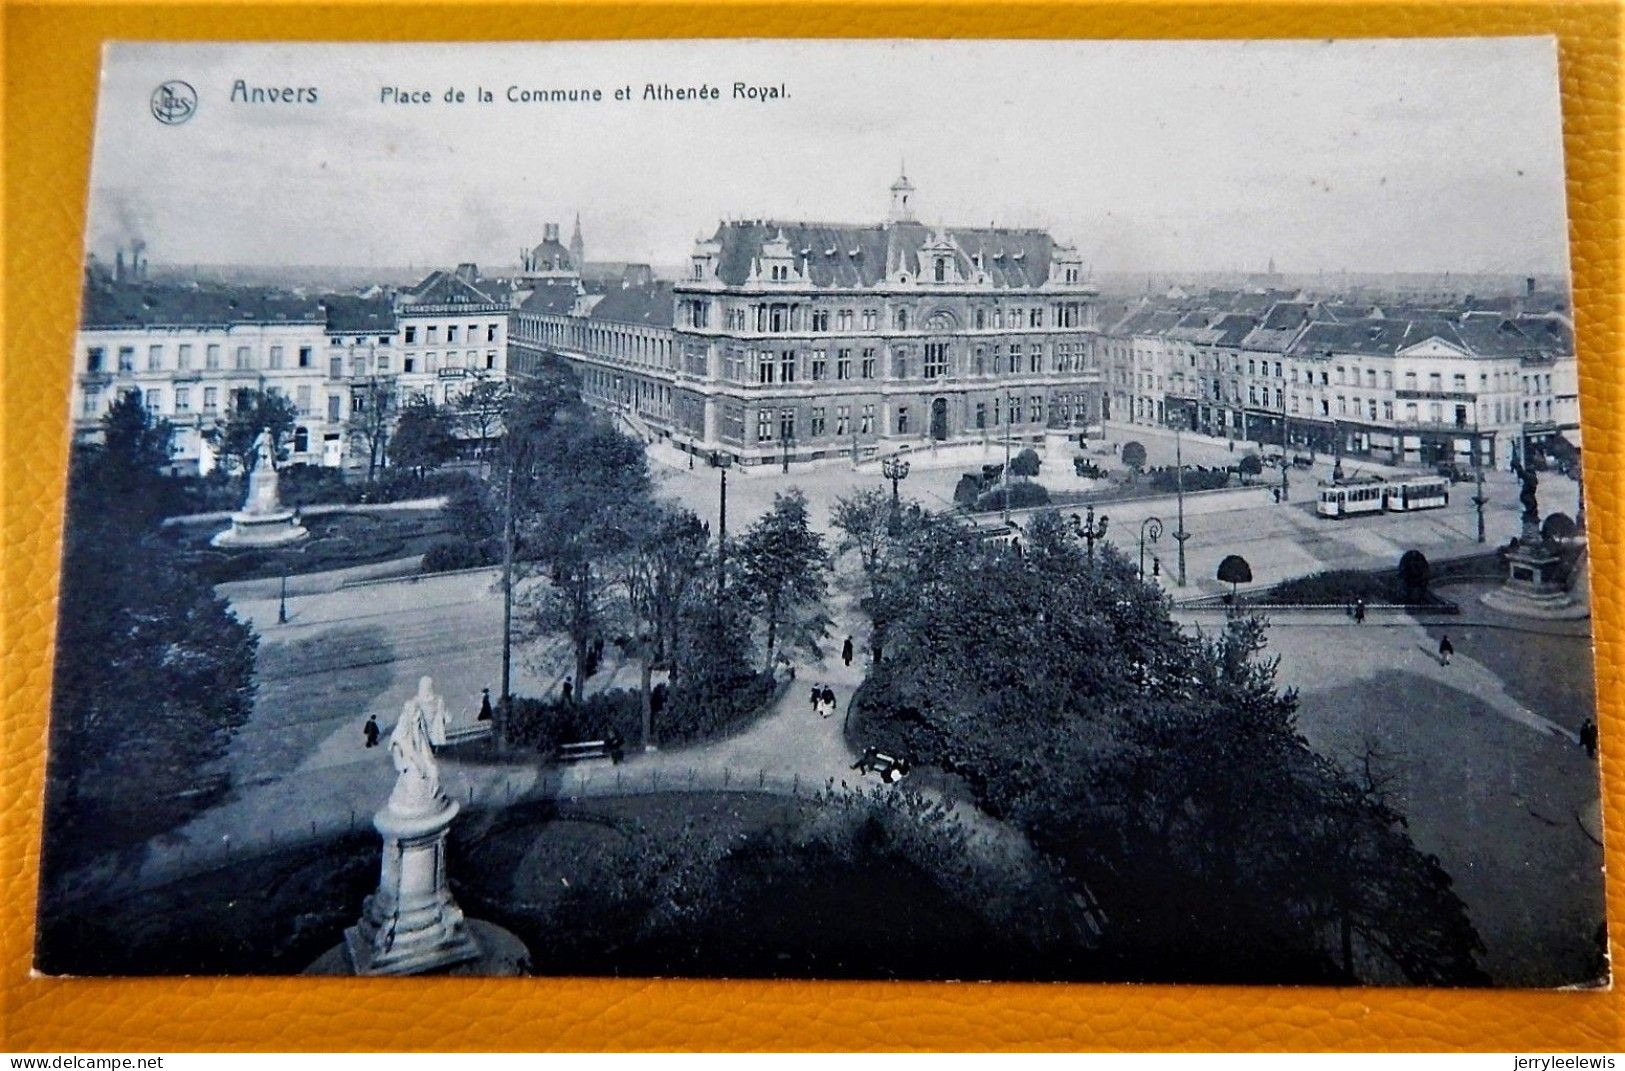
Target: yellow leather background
[[50, 59]]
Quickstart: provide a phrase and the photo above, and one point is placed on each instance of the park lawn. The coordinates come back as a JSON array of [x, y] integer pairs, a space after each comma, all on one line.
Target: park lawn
[[337, 541]]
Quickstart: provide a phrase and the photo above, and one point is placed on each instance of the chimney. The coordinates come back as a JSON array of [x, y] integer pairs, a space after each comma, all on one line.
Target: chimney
[[1529, 286], [118, 266]]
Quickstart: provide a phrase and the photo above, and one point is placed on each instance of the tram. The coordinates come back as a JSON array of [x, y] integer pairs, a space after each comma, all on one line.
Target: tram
[[1373, 495]]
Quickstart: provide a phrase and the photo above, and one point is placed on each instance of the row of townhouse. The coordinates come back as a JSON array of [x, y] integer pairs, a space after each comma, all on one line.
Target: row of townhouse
[[189, 352], [793, 341], [1416, 386]]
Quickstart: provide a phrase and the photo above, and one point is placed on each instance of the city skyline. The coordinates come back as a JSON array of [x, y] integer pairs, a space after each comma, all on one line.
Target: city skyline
[[1394, 162]]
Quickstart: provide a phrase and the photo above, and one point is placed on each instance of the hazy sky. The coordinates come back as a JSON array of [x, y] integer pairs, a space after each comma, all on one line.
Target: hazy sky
[[1417, 155]]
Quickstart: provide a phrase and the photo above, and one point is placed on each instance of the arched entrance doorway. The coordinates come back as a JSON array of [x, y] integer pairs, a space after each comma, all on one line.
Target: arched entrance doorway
[[939, 419]]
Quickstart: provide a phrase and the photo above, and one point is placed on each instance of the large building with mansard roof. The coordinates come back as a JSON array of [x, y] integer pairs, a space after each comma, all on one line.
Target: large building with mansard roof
[[798, 341]]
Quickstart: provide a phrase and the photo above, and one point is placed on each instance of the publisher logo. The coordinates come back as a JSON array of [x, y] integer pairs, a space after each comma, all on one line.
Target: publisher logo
[[174, 103]]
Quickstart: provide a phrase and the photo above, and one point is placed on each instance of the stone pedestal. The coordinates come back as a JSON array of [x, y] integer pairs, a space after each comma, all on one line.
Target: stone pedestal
[[262, 522], [411, 924], [1535, 585]]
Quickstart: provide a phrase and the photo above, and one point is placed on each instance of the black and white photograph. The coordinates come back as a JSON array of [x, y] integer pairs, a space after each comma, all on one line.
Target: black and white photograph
[[1063, 511]]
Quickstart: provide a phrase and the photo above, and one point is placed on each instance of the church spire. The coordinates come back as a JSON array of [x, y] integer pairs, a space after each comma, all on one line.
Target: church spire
[[578, 248]]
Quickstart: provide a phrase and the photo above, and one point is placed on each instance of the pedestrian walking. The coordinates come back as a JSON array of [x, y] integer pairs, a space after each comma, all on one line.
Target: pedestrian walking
[[485, 704], [1446, 649], [1588, 737], [1359, 611], [829, 700], [846, 652], [817, 697], [370, 730], [569, 688]]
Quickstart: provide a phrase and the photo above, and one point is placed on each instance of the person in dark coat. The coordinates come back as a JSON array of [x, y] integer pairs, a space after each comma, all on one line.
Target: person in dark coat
[[1359, 611], [370, 730], [828, 699], [1446, 649], [485, 704], [817, 697], [1588, 737], [657, 699], [846, 651], [569, 688]]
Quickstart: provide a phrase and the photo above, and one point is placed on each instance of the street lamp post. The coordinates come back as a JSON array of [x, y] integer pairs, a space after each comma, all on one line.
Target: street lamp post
[[1479, 500], [722, 461], [1284, 441], [1089, 530], [1151, 526], [282, 599], [1180, 535], [1009, 419], [894, 469]]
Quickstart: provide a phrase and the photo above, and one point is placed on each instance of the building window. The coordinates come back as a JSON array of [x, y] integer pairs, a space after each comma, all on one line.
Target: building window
[[183, 356], [868, 367], [1035, 357], [334, 405], [981, 415], [303, 400], [843, 364], [764, 367], [764, 426], [1035, 409], [817, 421], [941, 273], [868, 420], [936, 360], [94, 358], [155, 358], [820, 364], [820, 320], [211, 356], [276, 356], [902, 420], [211, 399], [244, 359], [871, 319], [843, 419], [1035, 316], [126, 358], [155, 400], [902, 319], [93, 402], [787, 366], [183, 400]]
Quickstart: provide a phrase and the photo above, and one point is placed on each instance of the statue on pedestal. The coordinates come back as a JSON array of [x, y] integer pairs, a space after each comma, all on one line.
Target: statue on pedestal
[[411, 750], [262, 522]]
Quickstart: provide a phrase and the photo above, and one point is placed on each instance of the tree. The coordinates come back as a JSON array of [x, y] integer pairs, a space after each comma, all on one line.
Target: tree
[[1413, 572], [373, 407], [422, 440], [154, 674], [1025, 463], [869, 529], [1249, 466], [582, 488], [667, 555], [1161, 770], [251, 413], [480, 413], [783, 575], [1133, 455], [1234, 570]]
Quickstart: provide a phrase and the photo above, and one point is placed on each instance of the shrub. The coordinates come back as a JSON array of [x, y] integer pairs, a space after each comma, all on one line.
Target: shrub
[[1133, 455], [544, 724], [1025, 463], [967, 489], [1196, 479], [1022, 496], [1342, 586], [450, 554], [1413, 572], [1250, 465], [697, 710]]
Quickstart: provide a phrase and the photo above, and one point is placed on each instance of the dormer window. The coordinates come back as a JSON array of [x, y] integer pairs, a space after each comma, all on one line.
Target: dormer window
[[942, 269], [902, 319]]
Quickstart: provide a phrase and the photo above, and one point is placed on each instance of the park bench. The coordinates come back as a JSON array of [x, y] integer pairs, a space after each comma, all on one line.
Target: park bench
[[610, 748], [890, 769]]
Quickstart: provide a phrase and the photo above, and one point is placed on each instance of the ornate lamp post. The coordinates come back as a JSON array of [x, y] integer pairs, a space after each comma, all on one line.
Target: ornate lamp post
[[894, 469], [1151, 526], [1180, 535], [1284, 440], [1089, 530], [282, 599]]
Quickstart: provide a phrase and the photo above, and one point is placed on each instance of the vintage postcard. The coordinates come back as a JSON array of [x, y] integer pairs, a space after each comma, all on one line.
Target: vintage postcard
[[1066, 511]]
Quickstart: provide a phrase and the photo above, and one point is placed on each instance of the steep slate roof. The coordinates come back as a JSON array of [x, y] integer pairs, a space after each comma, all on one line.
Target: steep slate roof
[[446, 288], [853, 256], [550, 299], [145, 304], [1480, 336], [650, 306], [1280, 326], [358, 315]]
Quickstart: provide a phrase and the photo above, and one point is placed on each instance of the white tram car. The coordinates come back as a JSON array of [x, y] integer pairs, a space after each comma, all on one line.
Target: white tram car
[[1401, 496]]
